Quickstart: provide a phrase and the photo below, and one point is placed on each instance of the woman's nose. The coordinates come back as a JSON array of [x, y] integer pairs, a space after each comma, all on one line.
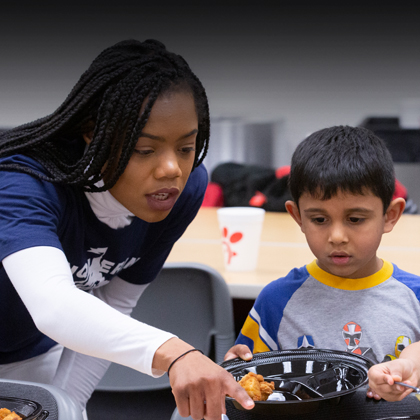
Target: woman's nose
[[168, 166]]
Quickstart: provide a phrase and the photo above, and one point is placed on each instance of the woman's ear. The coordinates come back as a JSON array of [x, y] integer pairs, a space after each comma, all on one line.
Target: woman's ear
[[87, 137], [88, 130], [393, 213], [293, 210]]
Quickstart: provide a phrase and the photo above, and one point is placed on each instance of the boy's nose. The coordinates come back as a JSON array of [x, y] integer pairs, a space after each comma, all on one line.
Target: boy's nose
[[168, 167], [338, 234]]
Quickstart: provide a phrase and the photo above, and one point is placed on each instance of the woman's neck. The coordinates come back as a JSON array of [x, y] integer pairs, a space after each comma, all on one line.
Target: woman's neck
[[108, 210]]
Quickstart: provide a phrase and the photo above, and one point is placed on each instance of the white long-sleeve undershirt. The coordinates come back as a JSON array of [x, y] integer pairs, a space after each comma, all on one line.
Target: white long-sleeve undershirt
[[108, 209], [77, 319], [79, 374], [95, 327]]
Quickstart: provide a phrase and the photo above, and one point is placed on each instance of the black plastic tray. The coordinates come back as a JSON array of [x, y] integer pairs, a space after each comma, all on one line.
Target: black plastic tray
[[416, 417], [302, 378], [27, 409]]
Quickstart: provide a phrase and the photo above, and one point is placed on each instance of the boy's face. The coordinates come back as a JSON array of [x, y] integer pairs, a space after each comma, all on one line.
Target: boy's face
[[345, 231]]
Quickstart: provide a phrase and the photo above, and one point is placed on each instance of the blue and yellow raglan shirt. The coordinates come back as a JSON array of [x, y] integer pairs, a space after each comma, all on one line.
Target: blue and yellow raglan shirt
[[375, 316]]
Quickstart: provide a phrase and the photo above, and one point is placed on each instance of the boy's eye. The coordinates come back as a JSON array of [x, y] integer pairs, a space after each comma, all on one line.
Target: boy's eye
[[318, 220], [356, 219]]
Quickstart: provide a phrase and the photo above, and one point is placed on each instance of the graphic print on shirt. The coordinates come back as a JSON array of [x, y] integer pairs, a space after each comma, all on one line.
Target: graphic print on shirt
[[91, 275], [305, 342], [400, 344], [352, 334]]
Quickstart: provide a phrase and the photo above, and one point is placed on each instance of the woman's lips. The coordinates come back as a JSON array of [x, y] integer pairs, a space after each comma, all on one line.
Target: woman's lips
[[162, 200]]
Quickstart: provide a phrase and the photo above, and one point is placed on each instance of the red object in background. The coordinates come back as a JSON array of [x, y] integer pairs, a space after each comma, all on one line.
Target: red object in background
[[213, 196], [282, 171], [258, 200], [400, 190]]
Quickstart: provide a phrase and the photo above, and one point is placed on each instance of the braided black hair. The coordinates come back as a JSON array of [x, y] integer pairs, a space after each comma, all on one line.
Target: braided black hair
[[107, 99]]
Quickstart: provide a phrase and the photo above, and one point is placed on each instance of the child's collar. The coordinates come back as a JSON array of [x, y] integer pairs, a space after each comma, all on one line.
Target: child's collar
[[350, 284]]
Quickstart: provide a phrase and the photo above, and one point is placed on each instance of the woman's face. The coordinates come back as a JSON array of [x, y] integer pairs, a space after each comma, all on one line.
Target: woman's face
[[163, 158]]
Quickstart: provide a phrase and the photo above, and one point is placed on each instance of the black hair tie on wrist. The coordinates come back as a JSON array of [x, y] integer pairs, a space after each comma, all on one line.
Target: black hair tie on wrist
[[183, 354]]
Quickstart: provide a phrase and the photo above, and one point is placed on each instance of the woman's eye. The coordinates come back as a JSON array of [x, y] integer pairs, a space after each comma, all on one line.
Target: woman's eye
[[143, 152], [186, 150]]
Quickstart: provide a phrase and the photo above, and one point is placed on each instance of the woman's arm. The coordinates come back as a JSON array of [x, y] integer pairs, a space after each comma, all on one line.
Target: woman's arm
[[77, 319], [79, 374], [85, 324]]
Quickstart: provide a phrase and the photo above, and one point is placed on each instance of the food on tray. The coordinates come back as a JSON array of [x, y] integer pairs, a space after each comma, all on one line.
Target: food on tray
[[256, 387], [6, 414]]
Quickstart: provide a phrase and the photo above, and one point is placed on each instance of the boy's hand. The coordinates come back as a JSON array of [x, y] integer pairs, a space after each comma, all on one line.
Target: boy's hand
[[240, 350], [383, 375]]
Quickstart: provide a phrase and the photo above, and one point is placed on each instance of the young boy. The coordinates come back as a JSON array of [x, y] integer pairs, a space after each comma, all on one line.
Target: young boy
[[342, 183]]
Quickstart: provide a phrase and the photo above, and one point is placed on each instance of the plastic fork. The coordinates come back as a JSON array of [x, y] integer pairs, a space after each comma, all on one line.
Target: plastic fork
[[417, 390]]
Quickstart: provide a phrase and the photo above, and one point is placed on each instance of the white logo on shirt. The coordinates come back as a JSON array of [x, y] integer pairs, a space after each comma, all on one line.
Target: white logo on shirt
[[90, 276]]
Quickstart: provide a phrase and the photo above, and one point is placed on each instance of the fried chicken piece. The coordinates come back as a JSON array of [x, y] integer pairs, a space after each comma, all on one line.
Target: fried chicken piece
[[256, 387], [251, 384], [3, 413], [6, 414], [12, 416], [267, 389]]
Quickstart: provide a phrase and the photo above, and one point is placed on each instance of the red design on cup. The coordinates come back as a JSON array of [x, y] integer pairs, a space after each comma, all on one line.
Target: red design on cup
[[227, 241]]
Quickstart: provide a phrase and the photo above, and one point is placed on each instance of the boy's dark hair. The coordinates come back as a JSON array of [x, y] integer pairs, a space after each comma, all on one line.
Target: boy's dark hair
[[342, 158], [107, 99]]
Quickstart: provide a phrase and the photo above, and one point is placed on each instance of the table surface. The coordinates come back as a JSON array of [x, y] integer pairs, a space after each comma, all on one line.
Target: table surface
[[283, 247]]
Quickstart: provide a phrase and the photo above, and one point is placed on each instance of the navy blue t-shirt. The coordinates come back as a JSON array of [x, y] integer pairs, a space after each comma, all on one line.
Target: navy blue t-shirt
[[39, 213]]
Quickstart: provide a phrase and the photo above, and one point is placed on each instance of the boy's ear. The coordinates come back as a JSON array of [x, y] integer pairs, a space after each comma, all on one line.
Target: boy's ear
[[293, 210], [393, 213]]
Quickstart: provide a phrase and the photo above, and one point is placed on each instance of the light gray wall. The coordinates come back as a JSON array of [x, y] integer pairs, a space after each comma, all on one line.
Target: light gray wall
[[305, 67]]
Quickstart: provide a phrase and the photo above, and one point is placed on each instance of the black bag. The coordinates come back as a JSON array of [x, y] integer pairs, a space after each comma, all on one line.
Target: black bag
[[251, 186]]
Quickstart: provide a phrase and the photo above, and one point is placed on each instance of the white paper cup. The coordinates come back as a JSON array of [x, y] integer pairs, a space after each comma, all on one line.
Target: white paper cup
[[241, 235]]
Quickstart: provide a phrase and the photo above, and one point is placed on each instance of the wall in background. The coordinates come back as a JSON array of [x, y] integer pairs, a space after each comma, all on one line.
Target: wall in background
[[301, 67]]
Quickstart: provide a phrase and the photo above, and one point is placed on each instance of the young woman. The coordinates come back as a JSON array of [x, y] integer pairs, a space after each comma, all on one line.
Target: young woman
[[93, 198]]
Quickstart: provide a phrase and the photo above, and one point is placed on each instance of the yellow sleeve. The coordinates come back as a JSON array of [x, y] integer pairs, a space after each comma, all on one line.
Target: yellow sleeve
[[250, 329]]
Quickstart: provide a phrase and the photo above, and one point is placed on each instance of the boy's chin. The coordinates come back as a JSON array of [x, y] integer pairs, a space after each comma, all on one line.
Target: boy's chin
[[338, 270]]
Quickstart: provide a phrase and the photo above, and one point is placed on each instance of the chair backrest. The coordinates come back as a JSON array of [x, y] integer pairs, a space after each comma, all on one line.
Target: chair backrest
[[55, 403], [190, 300], [176, 416]]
